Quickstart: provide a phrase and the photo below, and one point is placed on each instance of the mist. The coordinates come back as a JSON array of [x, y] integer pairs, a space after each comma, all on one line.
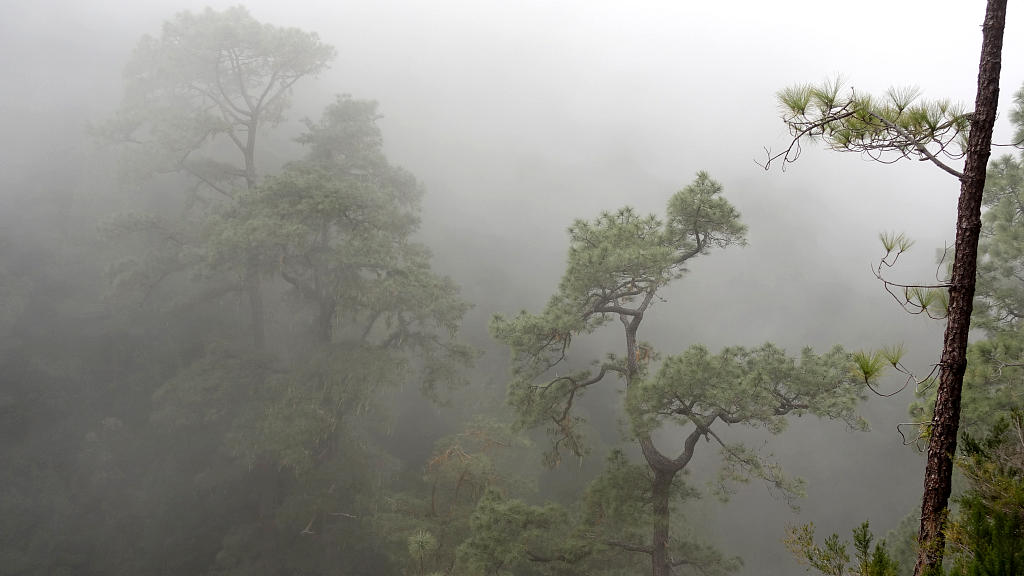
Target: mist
[[516, 119]]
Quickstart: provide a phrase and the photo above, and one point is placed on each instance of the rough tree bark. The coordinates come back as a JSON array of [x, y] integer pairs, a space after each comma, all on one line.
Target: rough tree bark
[[661, 564], [953, 363], [664, 469], [661, 487]]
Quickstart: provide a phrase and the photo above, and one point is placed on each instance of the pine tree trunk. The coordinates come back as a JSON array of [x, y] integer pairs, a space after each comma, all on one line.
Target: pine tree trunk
[[253, 287], [659, 464], [660, 491], [946, 420], [325, 321]]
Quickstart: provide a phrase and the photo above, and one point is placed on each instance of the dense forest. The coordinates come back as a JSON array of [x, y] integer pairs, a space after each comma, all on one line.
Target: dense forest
[[251, 325]]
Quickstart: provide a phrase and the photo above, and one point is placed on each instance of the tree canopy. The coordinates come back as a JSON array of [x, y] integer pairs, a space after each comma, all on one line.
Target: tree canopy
[[617, 264], [209, 77]]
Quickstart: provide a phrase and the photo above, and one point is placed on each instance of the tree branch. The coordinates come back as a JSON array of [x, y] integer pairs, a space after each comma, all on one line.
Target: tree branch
[[921, 148]]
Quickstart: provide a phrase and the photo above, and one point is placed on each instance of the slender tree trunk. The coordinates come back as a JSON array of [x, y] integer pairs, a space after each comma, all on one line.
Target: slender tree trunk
[[249, 153], [660, 490], [253, 286], [256, 314], [325, 321], [946, 420], [660, 465], [327, 305]]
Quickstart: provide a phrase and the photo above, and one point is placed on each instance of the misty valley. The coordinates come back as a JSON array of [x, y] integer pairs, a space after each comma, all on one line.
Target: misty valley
[[508, 289]]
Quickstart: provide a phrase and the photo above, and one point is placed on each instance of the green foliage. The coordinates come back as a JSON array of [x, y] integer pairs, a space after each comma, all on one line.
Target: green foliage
[[209, 78], [464, 465], [619, 260], [987, 535], [992, 383], [617, 503], [870, 365], [606, 535], [994, 465], [700, 218], [897, 123], [1017, 116], [485, 454], [893, 242], [152, 249], [421, 545], [902, 542], [208, 392], [271, 461], [757, 387], [508, 534], [293, 416], [337, 228], [616, 510], [986, 540], [934, 301], [616, 266], [832, 557], [1001, 248], [893, 354], [196, 99]]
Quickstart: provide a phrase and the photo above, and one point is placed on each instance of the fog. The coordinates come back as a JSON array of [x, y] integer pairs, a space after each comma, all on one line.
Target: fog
[[518, 118]]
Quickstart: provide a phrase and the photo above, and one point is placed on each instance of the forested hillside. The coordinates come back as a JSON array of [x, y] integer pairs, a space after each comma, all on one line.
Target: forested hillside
[[471, 289]]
